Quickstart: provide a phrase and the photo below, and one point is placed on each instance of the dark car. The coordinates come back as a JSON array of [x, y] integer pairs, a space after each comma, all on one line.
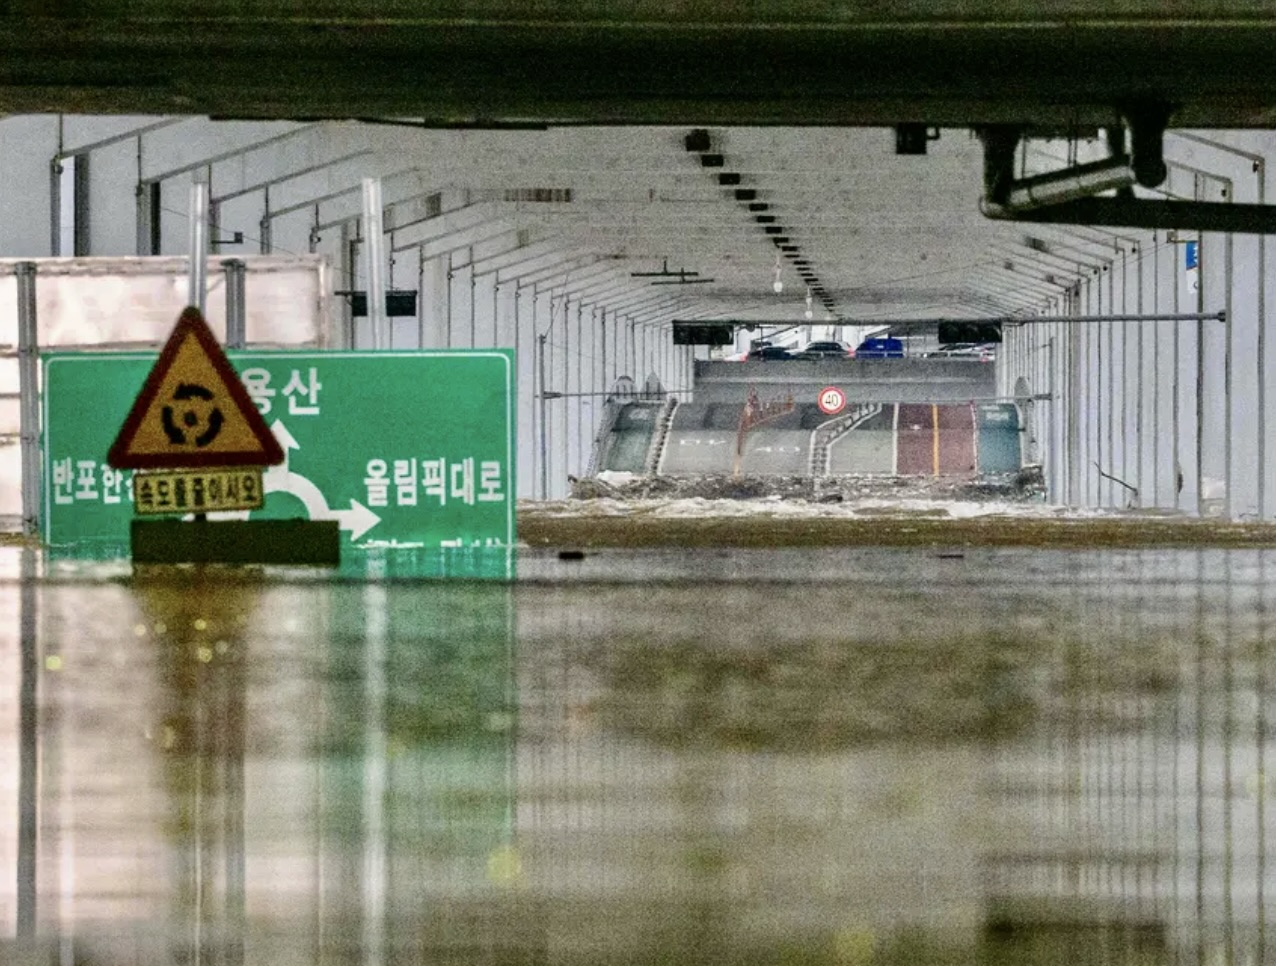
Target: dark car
[[880, 348], [826, 350], [769, 352]]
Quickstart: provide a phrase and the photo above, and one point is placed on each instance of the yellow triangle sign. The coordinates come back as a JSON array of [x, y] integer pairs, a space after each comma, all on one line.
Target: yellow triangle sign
[[193, 410]]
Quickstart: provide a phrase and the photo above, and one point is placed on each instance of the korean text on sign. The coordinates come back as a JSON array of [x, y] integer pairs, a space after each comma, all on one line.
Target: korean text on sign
[[79, 481], [433, 479], [301, 391], [198, 491]]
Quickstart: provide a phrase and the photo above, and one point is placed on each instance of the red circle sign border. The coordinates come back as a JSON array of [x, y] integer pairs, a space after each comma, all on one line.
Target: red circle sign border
[[827, 409]]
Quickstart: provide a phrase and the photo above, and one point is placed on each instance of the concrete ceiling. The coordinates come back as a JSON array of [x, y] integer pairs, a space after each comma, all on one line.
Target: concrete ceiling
[[597, 98], [1050, 65], [873, 234], [879, 235]]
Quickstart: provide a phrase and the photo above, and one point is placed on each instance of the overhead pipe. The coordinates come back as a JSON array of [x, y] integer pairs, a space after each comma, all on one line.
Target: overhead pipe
[[1069, 184], [1068, 196]]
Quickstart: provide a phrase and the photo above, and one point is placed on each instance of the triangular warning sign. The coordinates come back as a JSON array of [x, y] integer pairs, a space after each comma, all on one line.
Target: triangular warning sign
[[193, 410]]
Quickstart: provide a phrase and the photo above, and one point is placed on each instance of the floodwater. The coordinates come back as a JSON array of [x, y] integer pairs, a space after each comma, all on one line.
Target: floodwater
[[806, 756]]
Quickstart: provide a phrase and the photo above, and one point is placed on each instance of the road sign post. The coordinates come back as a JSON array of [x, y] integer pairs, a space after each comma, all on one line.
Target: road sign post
[[399, 449]]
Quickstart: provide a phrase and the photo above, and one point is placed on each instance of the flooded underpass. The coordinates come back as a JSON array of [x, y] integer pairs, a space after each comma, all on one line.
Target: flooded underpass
[[939, 753]]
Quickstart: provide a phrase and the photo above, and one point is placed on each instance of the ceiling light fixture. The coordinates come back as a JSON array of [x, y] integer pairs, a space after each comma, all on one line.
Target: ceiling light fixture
[[777, 286]]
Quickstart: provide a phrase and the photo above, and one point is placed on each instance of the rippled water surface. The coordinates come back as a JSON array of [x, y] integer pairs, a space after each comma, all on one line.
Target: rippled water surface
[[802, 756]]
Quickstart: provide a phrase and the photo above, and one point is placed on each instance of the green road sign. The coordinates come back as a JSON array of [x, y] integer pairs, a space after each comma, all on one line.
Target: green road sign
[[403, 449]]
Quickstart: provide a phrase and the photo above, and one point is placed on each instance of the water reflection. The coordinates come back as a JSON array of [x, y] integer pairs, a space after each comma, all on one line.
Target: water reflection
[[883, 757]]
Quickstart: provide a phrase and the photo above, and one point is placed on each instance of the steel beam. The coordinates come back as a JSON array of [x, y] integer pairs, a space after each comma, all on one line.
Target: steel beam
[[351, 191], [288, 176], [192, 166]]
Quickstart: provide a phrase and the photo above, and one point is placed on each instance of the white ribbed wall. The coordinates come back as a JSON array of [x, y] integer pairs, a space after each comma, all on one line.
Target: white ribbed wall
[[1148, 402], [279, 183]]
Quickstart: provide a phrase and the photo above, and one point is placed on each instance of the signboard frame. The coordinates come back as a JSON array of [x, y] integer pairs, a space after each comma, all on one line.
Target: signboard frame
[[502, 532]]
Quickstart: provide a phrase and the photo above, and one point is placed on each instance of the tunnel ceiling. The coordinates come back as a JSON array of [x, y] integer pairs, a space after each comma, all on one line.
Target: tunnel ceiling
[[675, 222], [575, 125]]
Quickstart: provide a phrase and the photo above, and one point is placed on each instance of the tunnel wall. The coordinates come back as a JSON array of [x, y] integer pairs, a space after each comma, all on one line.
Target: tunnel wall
[[280, 187], [1158, 414]]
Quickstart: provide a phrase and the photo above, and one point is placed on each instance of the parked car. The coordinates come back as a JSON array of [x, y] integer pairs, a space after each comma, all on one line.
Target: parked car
[[769, 352], [880, 348], [985, 352], [826, 350]]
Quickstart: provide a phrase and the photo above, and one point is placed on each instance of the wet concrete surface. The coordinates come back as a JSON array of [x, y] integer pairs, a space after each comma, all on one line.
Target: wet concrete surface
[[665, 754]]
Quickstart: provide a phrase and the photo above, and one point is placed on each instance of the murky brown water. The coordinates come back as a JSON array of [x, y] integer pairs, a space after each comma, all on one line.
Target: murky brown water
[[825, 756]]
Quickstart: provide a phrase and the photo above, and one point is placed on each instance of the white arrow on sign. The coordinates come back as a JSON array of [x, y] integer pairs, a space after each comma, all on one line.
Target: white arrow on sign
[[358, 519], [280, 479]]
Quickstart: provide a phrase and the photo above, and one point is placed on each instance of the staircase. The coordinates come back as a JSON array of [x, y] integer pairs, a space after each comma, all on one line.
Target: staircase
[[659, 434]]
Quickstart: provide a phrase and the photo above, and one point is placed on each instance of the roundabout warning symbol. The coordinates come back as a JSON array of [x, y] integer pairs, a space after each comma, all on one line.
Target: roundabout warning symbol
[[193, 411], [832, 400]]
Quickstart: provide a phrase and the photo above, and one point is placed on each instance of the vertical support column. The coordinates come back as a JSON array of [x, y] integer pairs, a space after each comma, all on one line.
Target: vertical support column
[[496, 313], [633, 352], [264, 227], [579, 401], [1104, 396], [420, 299], [55, 202], [597, 400], [1073, 363], [525, 360], [1260, 169], [198, 247], [29, 395], [1200, 382], [1229, 334], [374, 255], [602, 341], [346, 269], [1054, 386], [561, 374], [236, 303], [447, 314], [1160, 496], [1141, 388], [1176, 405], [473, 307], [542, 412]]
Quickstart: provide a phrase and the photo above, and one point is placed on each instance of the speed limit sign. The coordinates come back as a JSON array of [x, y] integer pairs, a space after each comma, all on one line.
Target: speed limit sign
[[832, 400]]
